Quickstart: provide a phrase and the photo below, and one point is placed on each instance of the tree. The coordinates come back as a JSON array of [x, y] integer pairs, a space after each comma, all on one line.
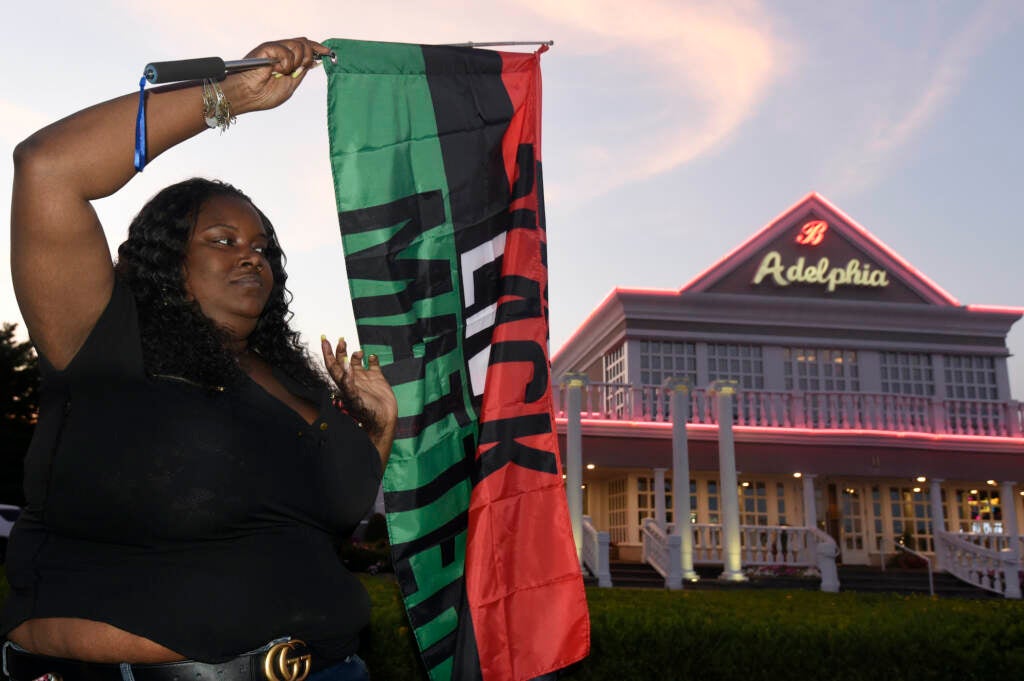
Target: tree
[[19, 407]]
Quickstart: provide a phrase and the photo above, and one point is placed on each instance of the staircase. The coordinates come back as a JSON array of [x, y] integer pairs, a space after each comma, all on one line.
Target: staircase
[[864, 579], [643, 576], [637, 575], [854, 578]]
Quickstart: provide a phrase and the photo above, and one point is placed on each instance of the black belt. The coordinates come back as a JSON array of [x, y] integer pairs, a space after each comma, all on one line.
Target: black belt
[[288, 661]]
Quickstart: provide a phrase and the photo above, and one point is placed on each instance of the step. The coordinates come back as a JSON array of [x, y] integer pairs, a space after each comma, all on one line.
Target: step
[[852, 578], [906, 581]]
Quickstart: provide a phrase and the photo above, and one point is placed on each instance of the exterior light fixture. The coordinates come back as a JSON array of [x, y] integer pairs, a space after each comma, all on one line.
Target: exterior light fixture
[[563, 476], [798, 474], [591, 466], [745, 484], [917, 489], [974, 491], [921, 478], [991, 482]]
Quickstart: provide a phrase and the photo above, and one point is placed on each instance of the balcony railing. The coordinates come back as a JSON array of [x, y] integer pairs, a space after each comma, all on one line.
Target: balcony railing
[[817, 410]]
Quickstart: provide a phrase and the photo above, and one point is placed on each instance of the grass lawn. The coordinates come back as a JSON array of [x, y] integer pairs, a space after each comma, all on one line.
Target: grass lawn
[[749, 635]]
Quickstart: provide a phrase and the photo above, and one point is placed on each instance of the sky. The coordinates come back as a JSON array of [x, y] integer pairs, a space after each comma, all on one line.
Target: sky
[[673, 130]]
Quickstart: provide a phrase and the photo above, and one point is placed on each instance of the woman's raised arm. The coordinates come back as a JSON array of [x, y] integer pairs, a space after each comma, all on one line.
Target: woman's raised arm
[[60, 262]]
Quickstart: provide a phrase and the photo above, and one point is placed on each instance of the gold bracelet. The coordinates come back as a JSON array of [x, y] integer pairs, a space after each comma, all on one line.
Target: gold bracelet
[[216, 108]]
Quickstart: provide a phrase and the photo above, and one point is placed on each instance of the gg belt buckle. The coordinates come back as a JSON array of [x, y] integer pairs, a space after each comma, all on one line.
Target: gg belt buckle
[[280, 664]]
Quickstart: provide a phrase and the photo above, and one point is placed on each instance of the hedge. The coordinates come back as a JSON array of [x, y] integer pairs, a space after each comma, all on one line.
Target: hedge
[[748, 635]]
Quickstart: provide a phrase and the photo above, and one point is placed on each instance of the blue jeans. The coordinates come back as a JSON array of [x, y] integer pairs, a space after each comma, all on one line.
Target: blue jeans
[[352, 669]]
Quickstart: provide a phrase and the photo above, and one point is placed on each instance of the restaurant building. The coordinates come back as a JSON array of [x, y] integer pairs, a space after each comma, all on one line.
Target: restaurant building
[[864, 397]]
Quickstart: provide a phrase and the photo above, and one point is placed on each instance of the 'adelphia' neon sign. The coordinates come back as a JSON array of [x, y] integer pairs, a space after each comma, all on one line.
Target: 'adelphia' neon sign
[[853, 273]]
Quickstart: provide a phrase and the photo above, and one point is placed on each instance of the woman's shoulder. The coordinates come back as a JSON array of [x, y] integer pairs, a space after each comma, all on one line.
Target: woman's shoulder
[[113, 343]]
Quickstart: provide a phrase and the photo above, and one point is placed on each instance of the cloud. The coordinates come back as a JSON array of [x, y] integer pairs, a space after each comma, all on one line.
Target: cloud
[[689, 74], [692, 75], [899, 126]]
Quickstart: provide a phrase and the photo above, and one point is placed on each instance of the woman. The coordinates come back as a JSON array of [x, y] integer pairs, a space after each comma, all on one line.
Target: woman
[[190, 471]]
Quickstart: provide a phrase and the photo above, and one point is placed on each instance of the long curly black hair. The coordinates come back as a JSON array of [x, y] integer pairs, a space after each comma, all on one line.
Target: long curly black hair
[[177, 338]]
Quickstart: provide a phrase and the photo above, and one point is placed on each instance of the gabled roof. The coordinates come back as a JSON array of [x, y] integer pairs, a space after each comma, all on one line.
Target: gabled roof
[[848, 241]]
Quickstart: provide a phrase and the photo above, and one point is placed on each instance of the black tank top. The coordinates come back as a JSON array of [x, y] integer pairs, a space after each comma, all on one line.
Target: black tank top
[[205, 521]]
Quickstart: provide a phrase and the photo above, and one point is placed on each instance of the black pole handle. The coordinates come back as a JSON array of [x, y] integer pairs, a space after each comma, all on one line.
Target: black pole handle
[[185, 69]]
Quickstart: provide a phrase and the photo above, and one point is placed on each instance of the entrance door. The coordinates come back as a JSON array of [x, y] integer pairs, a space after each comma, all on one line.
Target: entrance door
[[853, 544]]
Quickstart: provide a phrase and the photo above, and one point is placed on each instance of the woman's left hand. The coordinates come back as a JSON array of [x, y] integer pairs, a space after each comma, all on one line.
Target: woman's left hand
[[365, 392]]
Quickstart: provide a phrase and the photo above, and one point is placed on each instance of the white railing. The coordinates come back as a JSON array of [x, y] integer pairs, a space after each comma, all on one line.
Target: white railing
[[826, 551], [900, 546], [596, 552], [998, 571], [760, 545], [818, 410], [663, 552], [994, 541], [772, 545]]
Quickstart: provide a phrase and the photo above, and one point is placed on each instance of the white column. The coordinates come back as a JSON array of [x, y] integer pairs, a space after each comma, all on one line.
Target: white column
[[810, 506], [659, 498], [1012, 562], [938, 517], [1009, 507], [574, 457], [681, 475], [733, 569]]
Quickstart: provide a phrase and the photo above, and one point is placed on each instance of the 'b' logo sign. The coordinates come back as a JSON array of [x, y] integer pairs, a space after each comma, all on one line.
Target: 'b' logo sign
[[812, 233]]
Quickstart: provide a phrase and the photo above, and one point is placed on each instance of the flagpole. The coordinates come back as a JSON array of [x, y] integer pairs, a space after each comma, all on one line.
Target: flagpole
[[213, 68], [216, 68], [548, 43]]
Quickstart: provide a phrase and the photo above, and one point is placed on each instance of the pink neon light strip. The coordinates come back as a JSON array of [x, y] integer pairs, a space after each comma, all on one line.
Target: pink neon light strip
[[765, 430]]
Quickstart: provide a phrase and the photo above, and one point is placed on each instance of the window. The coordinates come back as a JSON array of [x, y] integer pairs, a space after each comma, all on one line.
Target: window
[[911, 517], [615, 366], [753, 503], [614, 371], [979, 511], [909, 375], [659, 361], [762, 502], [821, 373], [645, 500], [617, 511], [970, 389], [906, 373], [712, 488], [821, 370], [693, 501], [970, 377], [741, 363]]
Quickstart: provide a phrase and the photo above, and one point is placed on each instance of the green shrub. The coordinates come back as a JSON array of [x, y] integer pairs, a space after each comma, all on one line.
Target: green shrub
[[748, 635], [388, 644]]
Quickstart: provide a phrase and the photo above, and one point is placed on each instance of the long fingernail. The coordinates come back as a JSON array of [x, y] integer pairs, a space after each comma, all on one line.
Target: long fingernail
[[296, 72], [277, 75], [341, 340], [323, 337]]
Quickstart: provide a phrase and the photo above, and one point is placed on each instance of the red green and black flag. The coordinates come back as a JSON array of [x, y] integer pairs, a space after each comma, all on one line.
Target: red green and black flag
[[437, 169]]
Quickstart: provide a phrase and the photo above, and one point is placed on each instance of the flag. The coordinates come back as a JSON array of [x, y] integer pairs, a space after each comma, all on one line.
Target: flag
[[437, 171]]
